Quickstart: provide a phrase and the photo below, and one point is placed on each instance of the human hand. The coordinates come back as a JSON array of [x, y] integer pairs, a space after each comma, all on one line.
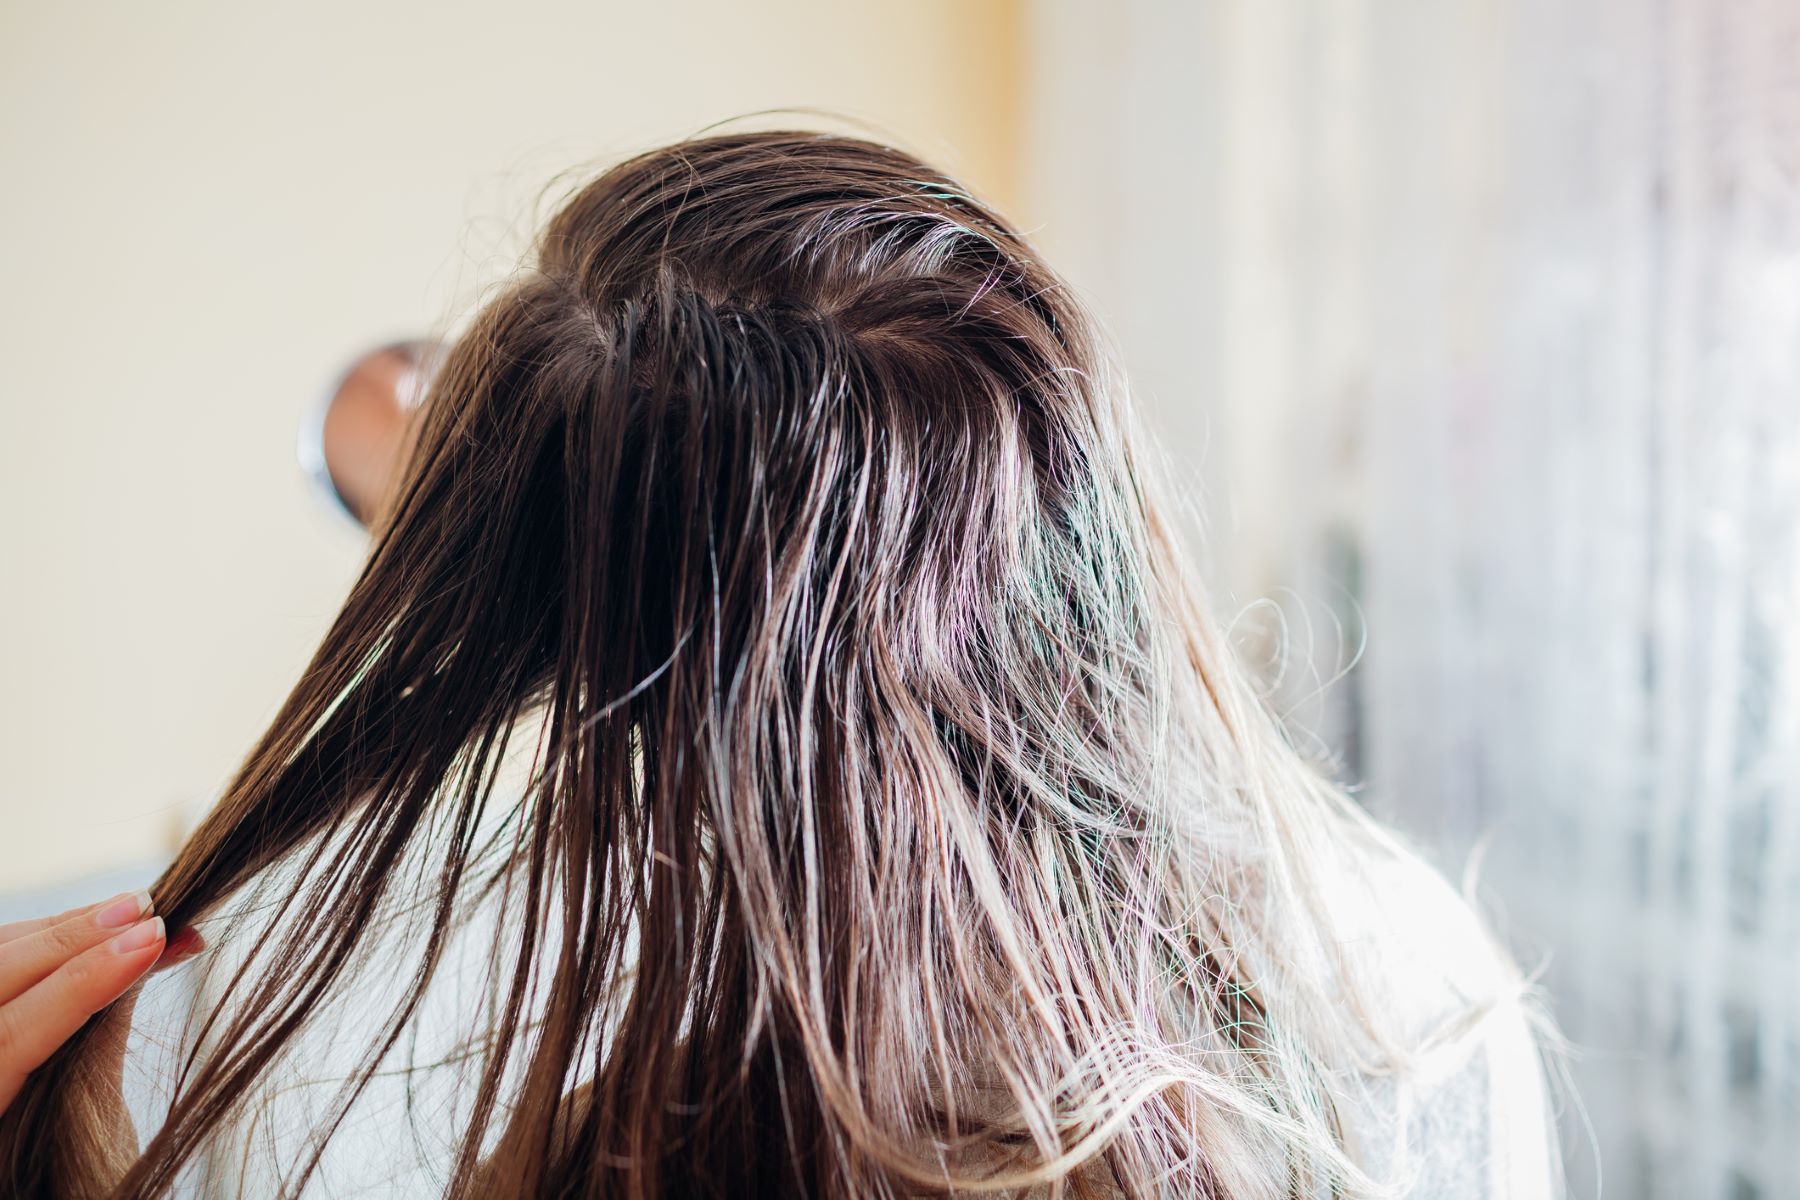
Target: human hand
[[56, 972]]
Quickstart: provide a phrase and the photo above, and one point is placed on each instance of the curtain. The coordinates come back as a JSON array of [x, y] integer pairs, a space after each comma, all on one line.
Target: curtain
[[1474, 329]]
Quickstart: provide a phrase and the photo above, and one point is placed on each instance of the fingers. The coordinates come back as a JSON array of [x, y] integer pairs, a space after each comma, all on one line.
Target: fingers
[[26, 960], [56, 972], [36, 1022], [16, 929]]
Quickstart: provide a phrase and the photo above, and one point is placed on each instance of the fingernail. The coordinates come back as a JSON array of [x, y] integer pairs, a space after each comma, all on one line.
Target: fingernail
[[139, 936], [123, 911]]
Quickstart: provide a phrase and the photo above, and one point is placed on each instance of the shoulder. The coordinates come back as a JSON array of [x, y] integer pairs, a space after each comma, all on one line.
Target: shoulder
[[1423, 948], [1464, 1111]]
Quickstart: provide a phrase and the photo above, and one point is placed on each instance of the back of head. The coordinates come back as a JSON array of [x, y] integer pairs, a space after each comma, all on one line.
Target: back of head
[[896, 821]]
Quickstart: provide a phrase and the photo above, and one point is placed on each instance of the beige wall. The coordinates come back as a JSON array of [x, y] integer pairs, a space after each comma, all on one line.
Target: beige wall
[[205, 208]]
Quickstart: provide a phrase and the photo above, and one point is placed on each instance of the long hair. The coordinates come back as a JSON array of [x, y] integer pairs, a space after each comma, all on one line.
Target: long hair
[[895, 819]]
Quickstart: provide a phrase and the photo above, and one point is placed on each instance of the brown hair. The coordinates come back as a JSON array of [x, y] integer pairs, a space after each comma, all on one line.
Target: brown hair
[[896, 820]]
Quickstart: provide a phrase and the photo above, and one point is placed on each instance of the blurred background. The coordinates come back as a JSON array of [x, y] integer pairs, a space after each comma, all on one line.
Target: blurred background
[[1473, 327]]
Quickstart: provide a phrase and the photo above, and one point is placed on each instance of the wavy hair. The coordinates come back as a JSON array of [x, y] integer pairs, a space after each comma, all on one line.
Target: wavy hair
[[896, 821]]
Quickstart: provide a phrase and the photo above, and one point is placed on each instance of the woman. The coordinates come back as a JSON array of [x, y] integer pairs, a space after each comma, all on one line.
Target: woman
[[893, 818]]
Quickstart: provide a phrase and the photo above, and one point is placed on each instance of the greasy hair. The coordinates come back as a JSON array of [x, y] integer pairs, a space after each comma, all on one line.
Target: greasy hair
[[895, 820]]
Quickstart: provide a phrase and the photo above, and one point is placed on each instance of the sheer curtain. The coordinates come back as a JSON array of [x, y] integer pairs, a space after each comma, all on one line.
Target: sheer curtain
[[1478, 327]]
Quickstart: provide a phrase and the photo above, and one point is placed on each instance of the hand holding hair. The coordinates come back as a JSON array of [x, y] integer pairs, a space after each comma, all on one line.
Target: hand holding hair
[[56, 972]]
